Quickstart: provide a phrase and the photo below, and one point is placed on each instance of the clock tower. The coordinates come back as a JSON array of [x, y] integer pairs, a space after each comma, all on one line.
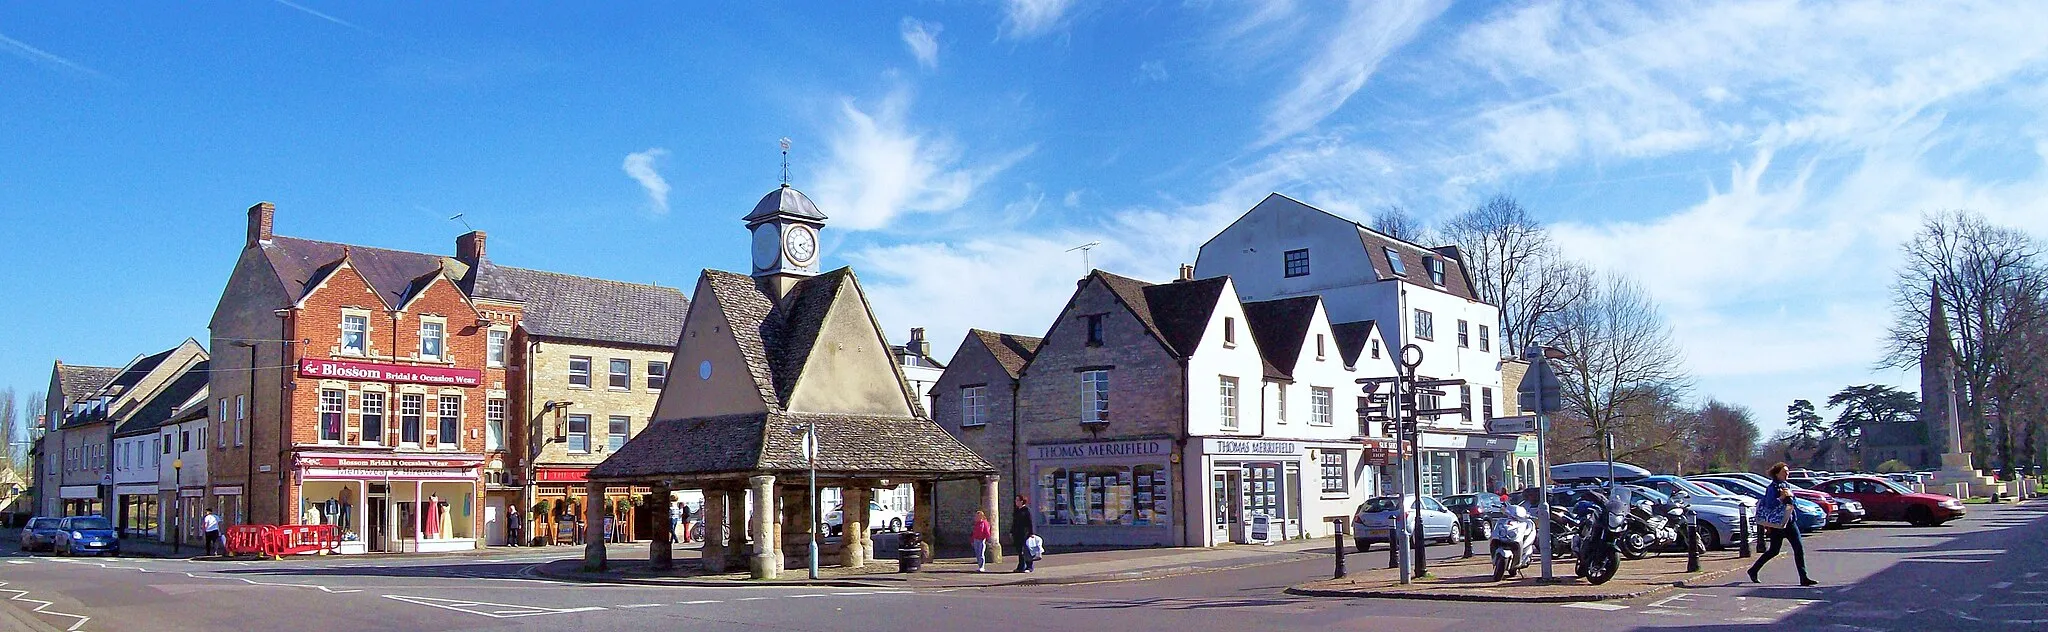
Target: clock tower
[[785, 225]]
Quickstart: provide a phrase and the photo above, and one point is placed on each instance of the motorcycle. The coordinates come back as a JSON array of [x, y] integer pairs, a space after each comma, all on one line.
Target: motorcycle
[[1655, 526], [1564, 529], [1597, 547], [1513, 539]]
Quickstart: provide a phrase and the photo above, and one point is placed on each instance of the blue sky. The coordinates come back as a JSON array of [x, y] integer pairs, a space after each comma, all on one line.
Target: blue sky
[[1754, 164]]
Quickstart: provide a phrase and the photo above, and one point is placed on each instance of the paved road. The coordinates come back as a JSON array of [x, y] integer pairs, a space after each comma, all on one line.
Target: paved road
[[1985, 572]]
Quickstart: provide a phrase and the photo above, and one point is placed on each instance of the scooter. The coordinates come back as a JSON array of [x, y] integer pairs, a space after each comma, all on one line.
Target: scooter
[[1513, 538], [1605, 520]]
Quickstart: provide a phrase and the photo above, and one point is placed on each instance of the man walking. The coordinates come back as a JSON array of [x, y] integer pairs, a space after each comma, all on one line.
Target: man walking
[[679, 529], [212, 525], [1021, 530]]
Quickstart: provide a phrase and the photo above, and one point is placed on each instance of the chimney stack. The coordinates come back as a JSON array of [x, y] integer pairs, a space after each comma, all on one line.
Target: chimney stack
[[260, 217], [1187, 272], [469, 248], [918, 345]]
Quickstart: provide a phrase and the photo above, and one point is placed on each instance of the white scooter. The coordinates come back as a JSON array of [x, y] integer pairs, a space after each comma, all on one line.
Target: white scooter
[[1513, 535]]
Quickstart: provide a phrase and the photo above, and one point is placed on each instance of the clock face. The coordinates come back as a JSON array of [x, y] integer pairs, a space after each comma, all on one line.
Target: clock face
[[766, 246], [800, 244]]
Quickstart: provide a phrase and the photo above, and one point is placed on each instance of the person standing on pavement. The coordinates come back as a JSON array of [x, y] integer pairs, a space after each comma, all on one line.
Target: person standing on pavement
[[1774, 514], [983, 534], [679, 529], [1021, 530], [212, 527]]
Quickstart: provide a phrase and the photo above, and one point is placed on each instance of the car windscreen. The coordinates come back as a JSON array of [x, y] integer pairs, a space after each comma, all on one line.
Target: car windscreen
[[90, 523], [1894, 486], [1740, 485], [1379, 505], [1645, 493]]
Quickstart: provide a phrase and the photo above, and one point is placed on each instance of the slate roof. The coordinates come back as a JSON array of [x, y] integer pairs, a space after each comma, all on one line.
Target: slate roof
[[1351, 339], [784, 201], [1181, 310], [394, 274], [1280, 327], [559, 305], [79, 381], [124, 378], [1011, 350], [165, 403]]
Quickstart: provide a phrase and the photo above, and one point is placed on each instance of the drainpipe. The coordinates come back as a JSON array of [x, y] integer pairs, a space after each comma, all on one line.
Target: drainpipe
[[1181, 450], [1016, 444], [287, 325], [527, 489]]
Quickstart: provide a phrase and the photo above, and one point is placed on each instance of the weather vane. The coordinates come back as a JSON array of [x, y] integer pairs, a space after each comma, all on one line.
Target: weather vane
[[785, 161]]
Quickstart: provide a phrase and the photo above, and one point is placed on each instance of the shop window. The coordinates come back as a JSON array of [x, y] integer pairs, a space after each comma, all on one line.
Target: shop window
[[355, 334], [1105, 495], [619, 429], [1320, 406], [1425, 325], [620, 374], [1336, 471], [332, 401], [1296, 262], [373, 418], [494, 423], [973, 405], [1262, 490], [1095, 397], [495, 347], [433, 339], [579, 433], [657, 375], [450, 430], [1226, 400], [579, 371], [411, 409]]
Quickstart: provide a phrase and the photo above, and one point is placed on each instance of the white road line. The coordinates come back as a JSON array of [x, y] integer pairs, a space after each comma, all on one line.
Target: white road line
[[639, 605], [807, 596], [19, 562], [1970, 597], [698, 602], [753, 598], [2001, 585], [1609, 607], [850, 594], [41, 607], [495, 610], [1671, 613]]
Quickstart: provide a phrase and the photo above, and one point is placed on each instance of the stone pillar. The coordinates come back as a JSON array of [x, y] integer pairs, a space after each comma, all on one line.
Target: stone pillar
[[593, 543], [659, 555], [767, 560], [714, 531], [992, 503], [737, 527], [853, 516], [925, 520], [797, 524]]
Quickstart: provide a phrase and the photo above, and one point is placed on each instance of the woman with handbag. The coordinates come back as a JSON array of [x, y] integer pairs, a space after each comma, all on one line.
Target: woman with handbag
[[1775, 516]]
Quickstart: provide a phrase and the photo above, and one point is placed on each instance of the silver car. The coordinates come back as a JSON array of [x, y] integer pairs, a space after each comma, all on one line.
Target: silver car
[[1374, 521]]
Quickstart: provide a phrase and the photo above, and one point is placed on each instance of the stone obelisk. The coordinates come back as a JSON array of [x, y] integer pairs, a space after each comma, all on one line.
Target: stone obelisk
[[1938, 382]]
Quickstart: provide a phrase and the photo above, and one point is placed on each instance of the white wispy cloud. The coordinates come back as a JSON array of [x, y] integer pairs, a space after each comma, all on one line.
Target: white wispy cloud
[[640, 166], [923, 39], [879, 167], [1369, 31], [1152, 70], [309, 11], [1026, 19], [32, 53]]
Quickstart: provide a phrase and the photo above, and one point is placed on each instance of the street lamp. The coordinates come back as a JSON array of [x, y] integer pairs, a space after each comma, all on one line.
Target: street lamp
[[810, 448]]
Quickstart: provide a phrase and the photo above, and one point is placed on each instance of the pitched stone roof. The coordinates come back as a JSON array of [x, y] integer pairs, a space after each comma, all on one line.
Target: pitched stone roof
[[161, 406], [559, 305], [1011, 350], [395, 275], [79, 381], [124, 378], [1280, 327], [1351, 339]]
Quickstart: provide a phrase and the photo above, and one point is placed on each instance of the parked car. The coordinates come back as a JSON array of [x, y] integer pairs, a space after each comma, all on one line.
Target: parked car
[[1811, 517], [1837, 514], [1473, 507], [1720, 511], [1374, 521], [1844, 511], [40, 534], [86, 535], [1886, 500], [879, 519]]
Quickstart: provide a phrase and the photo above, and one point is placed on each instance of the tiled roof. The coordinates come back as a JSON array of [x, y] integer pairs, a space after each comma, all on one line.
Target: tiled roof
[[1281, 327], [124, 378], [792, 328], [1351, 339], [79, 381], [870, 445], [1376, 245], [394, 274], [1011, 350], [1182, 309], [161, 406], [746, 311], [559, 305]]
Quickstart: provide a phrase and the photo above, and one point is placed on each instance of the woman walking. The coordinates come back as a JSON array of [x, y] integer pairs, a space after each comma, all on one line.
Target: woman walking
[[983, 533], [1774, 513]]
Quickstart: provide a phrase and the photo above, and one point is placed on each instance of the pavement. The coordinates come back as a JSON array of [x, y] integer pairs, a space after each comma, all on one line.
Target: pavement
[[1988, 571], [1471, 579]]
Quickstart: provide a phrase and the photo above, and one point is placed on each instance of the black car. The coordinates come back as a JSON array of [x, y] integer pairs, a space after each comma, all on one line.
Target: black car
[[1472, 508]]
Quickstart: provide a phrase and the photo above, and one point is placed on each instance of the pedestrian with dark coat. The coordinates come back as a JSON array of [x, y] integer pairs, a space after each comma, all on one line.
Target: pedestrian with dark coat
[[1774, 514], [1021, 529]]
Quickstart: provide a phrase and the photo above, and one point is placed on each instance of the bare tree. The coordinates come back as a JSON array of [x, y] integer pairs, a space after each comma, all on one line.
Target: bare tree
[[1514, 266], [10, 436], [1395, 221], [30, 417], [1621, 370], [1992, 280], [1728, 435]]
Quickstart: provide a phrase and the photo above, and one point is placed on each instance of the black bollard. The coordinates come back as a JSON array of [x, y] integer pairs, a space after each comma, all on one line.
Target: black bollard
[[1465, 529], [1748, 533], [1393, 553], [1692, 543], [1338, 535]]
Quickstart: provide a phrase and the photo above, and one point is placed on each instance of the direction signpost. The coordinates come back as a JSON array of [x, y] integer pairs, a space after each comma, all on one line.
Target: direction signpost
[[1541, 393]]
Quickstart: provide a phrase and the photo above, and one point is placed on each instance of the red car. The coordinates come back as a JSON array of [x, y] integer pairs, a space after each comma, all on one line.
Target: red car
[[1886, 500]]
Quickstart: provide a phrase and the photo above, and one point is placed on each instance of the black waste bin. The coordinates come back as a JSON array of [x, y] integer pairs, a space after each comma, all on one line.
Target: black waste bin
[[909, 552]]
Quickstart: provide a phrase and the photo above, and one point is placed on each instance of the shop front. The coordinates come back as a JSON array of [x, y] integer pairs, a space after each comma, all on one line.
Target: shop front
[[1104, 493], [1457, 463], [395, 503], [138, 515], [556, 516], [82, 500], [1272, 489]]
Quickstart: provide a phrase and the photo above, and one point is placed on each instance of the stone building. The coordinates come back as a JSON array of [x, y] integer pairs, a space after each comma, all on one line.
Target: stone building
[[975, 400], [85, 436], [772, 361], [139, 452], [181, 474], [70, 385]]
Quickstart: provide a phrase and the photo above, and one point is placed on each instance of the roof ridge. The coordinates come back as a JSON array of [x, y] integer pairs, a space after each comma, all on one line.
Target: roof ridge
[[579, 276]]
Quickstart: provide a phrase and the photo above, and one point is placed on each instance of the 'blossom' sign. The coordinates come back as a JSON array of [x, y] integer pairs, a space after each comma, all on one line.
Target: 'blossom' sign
[[343, 370]]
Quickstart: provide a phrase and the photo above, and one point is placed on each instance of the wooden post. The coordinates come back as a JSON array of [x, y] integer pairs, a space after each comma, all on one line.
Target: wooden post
[[853, 520], [767, 560], [593, 542], [714, 531], [659, 555]]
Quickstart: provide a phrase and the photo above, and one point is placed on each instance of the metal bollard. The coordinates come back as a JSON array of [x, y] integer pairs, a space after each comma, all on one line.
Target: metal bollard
[[1692, 543], [1338, 535], [1465, 529], [1748, 534], [1393, 553]]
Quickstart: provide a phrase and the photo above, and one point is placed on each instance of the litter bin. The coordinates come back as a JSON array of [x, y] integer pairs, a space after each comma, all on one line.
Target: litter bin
[[909, 552]]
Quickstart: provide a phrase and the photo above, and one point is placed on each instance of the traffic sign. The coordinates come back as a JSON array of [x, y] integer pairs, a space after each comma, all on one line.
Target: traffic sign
[[1511, 425], [1541, 376]]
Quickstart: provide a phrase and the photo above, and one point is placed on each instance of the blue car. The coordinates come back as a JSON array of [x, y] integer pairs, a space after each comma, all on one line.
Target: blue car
[[1808, 514], [40, 534], [86, 535]]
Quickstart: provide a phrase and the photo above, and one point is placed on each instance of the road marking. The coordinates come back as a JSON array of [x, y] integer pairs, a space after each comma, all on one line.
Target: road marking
[[851, 594], [753, 598], [1971, 597], [700, 601], [1751, 620], [807, 596], [1943, 561], [19, 562], [1609, 607], [2001, 585], [1672, 613], [41, 607], [492, 610], [639, 605]]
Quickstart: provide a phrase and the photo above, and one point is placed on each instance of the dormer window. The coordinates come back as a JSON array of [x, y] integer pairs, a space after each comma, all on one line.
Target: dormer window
[[1436, 270], [1394, 262]]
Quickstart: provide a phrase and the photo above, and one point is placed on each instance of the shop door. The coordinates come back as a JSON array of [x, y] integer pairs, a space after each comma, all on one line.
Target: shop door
[[494, 523], [377, 519], [1228, 489], [1262, 495]]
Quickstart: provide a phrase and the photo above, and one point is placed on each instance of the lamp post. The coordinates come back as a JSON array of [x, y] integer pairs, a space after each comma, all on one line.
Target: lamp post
[[810, 446], [178, 505]]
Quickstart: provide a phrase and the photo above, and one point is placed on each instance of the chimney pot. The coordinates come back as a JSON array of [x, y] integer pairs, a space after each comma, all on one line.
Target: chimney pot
[[261, 216], [469, 247], [1187, 272]]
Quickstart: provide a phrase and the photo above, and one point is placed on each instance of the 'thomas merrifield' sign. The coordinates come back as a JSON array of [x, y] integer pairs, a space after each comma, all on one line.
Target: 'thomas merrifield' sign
[[343, 370]]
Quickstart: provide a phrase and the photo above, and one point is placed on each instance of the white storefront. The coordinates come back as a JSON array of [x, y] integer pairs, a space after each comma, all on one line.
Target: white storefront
[[392, 503], [1296, 486]]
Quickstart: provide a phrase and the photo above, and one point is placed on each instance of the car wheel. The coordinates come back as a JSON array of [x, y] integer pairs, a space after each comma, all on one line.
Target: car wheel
[[1710, 539], [895, 524], [1920, 517], [1363, 545]]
